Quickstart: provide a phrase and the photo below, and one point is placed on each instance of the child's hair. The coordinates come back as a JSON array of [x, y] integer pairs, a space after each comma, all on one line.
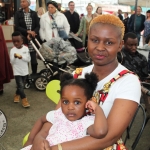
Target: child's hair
[[17, 33], [109, 19], [88, 83], [129, 35]]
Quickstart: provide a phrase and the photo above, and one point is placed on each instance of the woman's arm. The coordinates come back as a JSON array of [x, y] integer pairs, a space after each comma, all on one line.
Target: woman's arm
[[17, 24], [119, 118], [37, 27], [81, 26], [99, 128]]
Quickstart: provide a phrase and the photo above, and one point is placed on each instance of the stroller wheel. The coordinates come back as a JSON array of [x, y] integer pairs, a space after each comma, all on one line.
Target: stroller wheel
[[46, 73], [41, 83], [27, 85]]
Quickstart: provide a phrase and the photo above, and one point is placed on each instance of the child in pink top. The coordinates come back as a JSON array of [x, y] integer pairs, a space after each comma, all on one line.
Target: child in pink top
[[70, 121]]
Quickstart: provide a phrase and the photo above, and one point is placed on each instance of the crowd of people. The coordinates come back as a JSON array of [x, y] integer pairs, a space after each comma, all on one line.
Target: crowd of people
[[107, 89]]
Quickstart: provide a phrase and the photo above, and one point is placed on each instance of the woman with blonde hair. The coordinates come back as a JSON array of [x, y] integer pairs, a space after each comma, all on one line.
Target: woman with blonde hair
[[40, 11], [119, 98], [84, 24]]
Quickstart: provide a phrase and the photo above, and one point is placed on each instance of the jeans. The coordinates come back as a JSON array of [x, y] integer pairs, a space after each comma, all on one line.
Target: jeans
[[20, 80], [138, 34]]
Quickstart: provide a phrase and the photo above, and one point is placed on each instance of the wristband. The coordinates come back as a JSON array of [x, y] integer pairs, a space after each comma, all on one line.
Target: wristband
[[59, 147]]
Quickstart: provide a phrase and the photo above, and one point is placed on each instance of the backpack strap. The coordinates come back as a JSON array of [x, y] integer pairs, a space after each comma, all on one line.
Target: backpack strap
[[104, 92]]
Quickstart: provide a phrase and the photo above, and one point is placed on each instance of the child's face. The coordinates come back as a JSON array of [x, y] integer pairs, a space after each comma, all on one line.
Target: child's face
[[17, 41], [104, 42], [73, 102]]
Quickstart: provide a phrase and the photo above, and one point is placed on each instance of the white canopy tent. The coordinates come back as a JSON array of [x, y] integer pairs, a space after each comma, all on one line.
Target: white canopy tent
[[142, 3]]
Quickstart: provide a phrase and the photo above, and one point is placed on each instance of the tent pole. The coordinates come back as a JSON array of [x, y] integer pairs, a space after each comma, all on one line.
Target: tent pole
[[136, 1]]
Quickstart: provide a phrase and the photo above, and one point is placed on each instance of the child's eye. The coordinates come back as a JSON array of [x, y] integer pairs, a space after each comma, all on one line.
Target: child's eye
[[65, 102], [77, 102]]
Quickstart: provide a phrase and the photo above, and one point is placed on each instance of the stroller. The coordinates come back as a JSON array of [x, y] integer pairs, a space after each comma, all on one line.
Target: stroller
[[56, 55]]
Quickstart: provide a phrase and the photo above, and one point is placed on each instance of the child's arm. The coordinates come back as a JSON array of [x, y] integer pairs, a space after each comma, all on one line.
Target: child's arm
[[36, 128], [12, 57], [99, 128], [40, 141], [26, 56]]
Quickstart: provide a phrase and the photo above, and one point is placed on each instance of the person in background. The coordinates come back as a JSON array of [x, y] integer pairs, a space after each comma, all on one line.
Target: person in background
[[40, 12], [120, 14], [147, 47], [19, 58], [72, 17], [125, 21], [27, 22], [60, 8], [132, 59], [105, 40], [139, 23], [6, 72], [146, 26], [2, 16], [51, 21], [115, 13], [99, 11], [84, 25]]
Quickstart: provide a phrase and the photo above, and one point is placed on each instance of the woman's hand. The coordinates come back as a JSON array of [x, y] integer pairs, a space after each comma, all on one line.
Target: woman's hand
[[91, 106], [32, 33]]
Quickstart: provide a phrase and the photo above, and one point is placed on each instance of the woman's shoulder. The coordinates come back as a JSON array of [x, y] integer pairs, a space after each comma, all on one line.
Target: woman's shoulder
[[59, 14]]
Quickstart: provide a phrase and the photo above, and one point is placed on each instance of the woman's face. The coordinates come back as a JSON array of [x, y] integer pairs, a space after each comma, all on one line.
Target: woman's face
[[73, 102], [51, 8], [89, 9], [148, 14], [40, 11], [24, 4], [104, 42], [99, 11]]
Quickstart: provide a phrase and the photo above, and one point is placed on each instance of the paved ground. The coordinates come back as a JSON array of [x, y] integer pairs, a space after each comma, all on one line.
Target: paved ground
[[20, 120]]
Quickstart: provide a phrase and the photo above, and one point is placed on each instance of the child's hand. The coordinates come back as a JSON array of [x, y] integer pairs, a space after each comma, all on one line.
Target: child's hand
[[91, 106], [15, 55]]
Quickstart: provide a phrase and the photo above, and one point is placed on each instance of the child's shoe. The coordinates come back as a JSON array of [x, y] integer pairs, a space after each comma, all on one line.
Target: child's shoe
[[16, 98], [25, 103]]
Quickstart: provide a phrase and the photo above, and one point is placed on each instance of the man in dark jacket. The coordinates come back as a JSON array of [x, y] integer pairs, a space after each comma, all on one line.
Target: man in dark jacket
[[131, 58], [139, 23], [125, 21], [27, 22], [120, 14], [72, 17]]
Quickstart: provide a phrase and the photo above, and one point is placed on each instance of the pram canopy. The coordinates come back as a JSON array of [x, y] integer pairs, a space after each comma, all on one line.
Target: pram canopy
[[58, 50]]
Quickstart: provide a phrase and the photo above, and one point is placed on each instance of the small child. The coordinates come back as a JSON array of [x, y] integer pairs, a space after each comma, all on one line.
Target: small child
[[70, 121], [19, 57]]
